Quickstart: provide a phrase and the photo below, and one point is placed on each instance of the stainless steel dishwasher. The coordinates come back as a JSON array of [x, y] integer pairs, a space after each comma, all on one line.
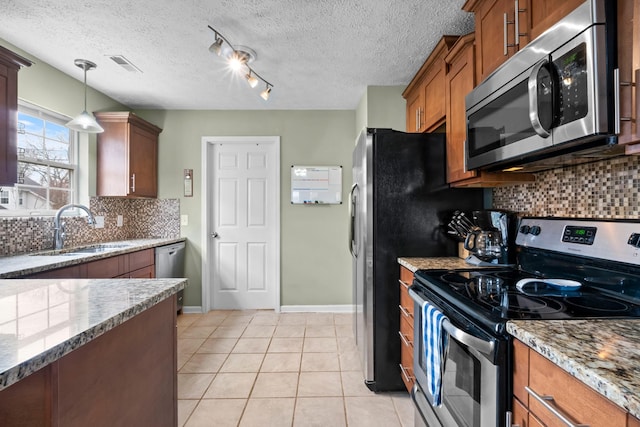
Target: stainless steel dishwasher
[[170, 264]]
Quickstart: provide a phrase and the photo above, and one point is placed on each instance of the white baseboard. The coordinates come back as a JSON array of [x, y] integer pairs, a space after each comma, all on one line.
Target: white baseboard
[[345, 308], [191, 309]]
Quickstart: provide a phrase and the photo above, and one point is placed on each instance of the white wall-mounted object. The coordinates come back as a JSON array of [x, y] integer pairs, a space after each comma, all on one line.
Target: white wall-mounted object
[[316, 185]]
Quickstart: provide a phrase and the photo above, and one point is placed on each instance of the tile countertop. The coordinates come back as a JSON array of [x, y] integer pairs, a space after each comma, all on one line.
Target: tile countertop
[[25, 264], [603, 354], [42, 320], [437, 263]]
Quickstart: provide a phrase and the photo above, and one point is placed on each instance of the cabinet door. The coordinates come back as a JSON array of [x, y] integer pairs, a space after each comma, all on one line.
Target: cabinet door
[[629, 65], [415, 103], [143, 161], [492, 48], [434, 95], [570, 396], [459, 82], [10, 63], [544, 13], [143, 273]]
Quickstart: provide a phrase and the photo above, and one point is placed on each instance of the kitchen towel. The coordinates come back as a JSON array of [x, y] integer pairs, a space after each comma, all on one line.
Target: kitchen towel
[[435, 344]]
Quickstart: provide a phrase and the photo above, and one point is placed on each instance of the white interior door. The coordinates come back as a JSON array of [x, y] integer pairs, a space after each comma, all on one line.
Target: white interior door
[[244, 260]]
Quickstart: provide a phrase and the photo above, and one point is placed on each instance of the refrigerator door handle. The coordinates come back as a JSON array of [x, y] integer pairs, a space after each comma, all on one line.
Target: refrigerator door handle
[[352, 220]]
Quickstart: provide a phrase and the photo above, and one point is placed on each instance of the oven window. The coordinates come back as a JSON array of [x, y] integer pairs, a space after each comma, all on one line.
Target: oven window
[[501, 122], [461, 385]]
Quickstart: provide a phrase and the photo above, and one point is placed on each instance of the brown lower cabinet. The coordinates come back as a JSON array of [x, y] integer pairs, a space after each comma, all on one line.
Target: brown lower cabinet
[[135, 265], [406, 329], [571, 397], [126, 377]]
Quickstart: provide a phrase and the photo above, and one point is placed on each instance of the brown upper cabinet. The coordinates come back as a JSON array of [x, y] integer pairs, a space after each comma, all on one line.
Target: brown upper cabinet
[[426, 108], [127, 156], [629, 65], [460, 80], [505, 26], [10, 64]]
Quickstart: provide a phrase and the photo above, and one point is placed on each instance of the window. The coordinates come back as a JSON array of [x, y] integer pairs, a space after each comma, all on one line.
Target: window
[[46, 163]]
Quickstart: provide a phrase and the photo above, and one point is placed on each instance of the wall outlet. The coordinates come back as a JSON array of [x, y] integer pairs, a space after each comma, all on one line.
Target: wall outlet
[[99, 222], [184, 220], [119, 221]]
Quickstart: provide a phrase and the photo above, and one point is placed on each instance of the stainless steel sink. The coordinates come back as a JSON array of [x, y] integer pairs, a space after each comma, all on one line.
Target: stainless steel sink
[[92, 249]]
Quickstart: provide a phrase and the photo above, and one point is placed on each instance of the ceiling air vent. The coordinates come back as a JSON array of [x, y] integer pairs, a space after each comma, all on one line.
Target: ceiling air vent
[[125, 63]]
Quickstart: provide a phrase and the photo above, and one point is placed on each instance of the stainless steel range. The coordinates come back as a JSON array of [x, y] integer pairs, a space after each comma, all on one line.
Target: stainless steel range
[[567, 269]]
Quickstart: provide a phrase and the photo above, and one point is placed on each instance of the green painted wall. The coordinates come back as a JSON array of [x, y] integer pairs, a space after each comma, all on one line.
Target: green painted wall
[[315, 261], [316, 264]]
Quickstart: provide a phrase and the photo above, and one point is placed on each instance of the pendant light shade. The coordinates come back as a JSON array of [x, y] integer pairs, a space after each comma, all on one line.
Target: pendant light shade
[[85, 122]]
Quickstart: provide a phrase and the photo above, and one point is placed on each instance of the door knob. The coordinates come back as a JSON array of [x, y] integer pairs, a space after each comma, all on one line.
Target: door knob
[[214, 234]]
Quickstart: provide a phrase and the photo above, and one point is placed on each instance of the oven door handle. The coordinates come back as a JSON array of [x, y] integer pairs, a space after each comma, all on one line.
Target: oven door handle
[[483, 346]]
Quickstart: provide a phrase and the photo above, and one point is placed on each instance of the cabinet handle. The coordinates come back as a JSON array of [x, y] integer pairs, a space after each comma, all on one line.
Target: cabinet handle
[[546, 402], [405, 312], [405, 284], [405, 340], [504, 27], [405, 374], [617, 84], [133, 182]]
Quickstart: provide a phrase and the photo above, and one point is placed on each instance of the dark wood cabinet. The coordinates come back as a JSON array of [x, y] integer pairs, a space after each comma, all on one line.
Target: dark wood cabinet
[[572, 397], [135, 265], [406, 329], [426, 108], [127, 156], [10, 64]]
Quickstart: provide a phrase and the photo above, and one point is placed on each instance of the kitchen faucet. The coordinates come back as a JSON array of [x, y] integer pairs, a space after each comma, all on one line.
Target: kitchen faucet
[[58, 228]]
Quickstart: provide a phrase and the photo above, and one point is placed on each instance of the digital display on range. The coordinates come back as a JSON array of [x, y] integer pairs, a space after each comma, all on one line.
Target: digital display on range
[[580, 235]]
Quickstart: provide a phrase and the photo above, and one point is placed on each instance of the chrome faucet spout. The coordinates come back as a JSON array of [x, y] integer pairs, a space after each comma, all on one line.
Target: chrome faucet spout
[[58, 228]]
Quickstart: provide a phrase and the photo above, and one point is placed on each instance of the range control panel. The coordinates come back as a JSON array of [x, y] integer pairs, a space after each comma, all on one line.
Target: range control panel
[[615, 240], [580, 235]]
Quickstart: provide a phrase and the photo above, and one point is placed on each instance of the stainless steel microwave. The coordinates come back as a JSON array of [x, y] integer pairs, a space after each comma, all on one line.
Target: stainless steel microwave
[[554, 102]]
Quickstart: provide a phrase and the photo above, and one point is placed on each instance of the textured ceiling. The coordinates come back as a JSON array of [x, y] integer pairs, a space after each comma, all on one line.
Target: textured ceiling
[[318, 54]]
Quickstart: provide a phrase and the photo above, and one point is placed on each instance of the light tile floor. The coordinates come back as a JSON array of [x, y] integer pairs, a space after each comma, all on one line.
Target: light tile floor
[[260, 368]]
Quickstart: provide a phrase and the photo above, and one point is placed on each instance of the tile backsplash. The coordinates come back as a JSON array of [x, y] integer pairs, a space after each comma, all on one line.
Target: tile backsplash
[[142, 218], [605, 189]]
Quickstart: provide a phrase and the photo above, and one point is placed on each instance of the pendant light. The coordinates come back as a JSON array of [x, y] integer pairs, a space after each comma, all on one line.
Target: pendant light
[[85, 122]]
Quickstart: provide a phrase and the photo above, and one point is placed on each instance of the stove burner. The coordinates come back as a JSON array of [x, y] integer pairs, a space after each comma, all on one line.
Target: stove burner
[[514, 304], [455, 279], [611, 281], [597, 304]]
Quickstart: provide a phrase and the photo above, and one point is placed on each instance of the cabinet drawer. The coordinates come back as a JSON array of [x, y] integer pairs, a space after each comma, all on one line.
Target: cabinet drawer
[[140, 259], [406, 278], [520, 371], [106, 268], [72, 272], [406, 365], [143, 273], [570, 396]]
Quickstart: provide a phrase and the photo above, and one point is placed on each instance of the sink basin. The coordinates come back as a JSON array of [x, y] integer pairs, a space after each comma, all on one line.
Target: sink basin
[[93, 249]]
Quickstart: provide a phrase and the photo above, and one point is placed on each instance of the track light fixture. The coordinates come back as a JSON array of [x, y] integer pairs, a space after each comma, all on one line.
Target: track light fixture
[[239, 58]]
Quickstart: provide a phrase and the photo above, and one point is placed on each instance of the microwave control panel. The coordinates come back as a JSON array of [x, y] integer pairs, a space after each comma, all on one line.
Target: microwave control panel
[[571, 69]]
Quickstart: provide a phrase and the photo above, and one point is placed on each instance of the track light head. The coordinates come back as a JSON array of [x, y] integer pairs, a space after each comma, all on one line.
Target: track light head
[[216, 47], [265, 93], [251, 79]]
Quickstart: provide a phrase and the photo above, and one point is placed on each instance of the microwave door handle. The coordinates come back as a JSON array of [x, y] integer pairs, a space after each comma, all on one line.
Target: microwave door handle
[[485, 347], [352, 220], [534, 117]]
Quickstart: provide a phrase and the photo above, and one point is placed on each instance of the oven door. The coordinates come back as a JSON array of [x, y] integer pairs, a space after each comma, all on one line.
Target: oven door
[[474, 394]]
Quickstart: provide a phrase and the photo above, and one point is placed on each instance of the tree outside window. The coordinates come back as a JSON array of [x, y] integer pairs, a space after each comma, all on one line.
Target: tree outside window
[[46, 163]]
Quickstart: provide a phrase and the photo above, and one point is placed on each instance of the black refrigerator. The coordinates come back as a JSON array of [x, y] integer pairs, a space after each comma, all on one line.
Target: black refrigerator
[[399, 203]]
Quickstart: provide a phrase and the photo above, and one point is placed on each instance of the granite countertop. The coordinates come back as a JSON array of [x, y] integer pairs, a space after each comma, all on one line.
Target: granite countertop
[[22, 265], [42, 320], [603, 354], [437, 263]]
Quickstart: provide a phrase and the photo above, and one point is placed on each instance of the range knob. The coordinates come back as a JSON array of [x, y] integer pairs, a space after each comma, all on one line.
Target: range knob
[[524, 229], [634, 240], [535, 230]]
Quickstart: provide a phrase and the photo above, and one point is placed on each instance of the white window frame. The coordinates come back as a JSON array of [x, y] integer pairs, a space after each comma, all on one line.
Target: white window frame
[[51, 116]]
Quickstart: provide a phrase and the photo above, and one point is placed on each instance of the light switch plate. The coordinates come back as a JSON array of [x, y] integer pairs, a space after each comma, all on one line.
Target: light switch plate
[[119, 221], [99, 222], [184, 220]]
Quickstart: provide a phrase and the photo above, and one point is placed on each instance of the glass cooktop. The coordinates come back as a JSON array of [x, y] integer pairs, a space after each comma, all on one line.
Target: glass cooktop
[[494, 293]]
